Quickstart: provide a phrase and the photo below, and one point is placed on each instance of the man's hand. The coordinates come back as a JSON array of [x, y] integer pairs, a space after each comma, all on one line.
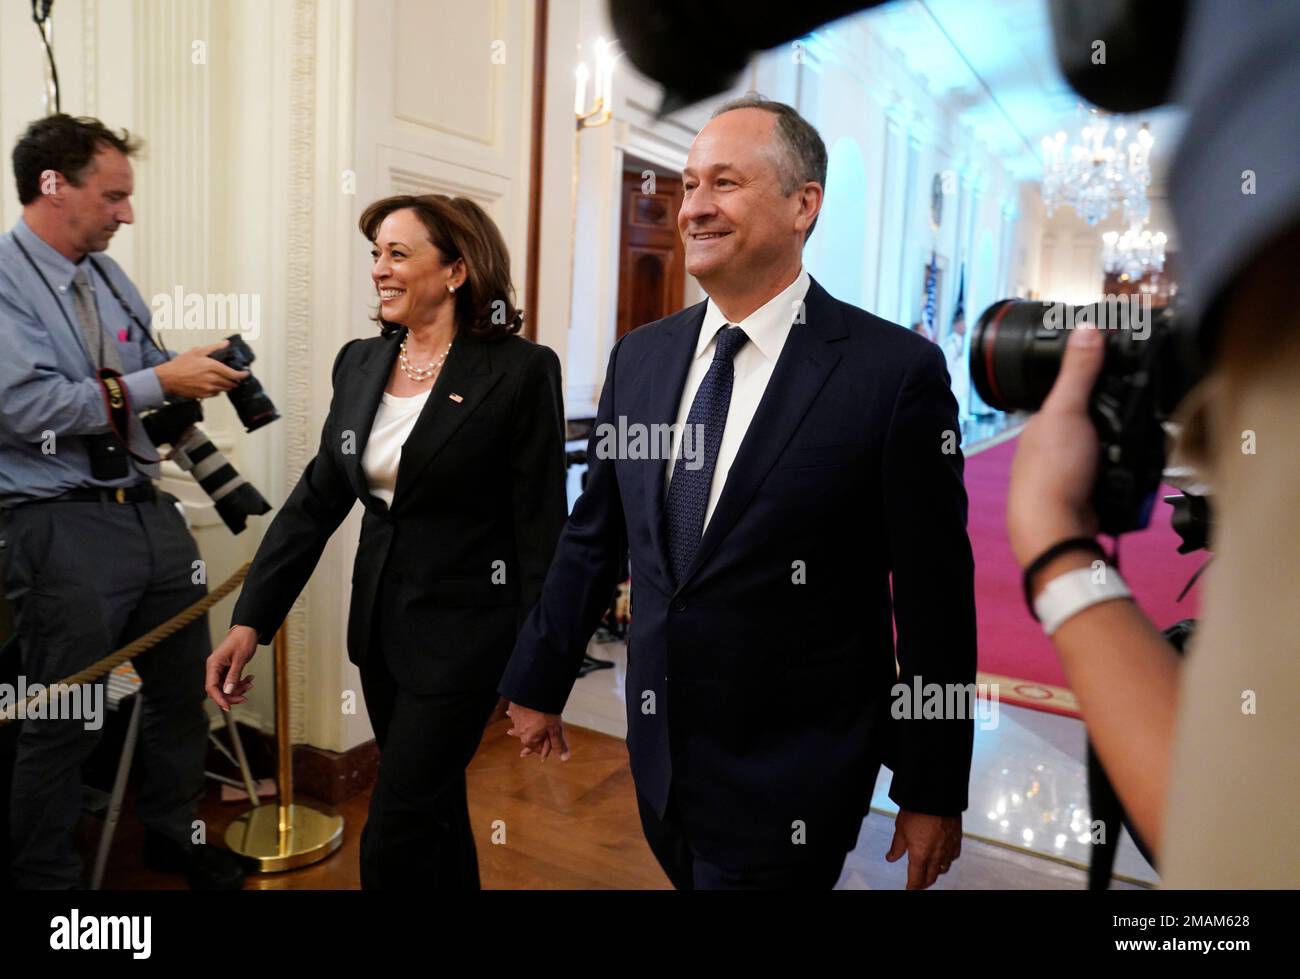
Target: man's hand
[[1056, 458], [227, 661], [932, 843], [539, 733], [193, 374]]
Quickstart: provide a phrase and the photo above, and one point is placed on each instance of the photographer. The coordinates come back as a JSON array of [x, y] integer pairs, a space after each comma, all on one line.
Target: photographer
[[91, 554], [1202, 752]]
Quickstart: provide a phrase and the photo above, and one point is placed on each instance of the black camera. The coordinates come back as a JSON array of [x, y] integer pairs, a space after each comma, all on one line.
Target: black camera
[[1151, 361], [176, 424], [249, 399]]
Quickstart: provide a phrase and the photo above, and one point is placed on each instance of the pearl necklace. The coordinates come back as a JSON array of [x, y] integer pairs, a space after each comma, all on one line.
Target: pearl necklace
[[421, 374]]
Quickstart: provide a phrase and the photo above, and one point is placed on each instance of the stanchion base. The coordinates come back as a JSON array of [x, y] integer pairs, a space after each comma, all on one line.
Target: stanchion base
[[309, 836]]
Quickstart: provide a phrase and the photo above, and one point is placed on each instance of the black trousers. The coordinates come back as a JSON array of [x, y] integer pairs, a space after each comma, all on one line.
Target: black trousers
[[418, 833], [83, 579], [688, 871]]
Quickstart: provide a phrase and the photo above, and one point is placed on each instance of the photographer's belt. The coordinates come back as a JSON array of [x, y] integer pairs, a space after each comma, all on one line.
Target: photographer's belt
[[135, 493]]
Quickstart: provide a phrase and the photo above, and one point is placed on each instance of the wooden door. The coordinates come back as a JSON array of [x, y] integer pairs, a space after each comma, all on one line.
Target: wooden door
[[652, 261]]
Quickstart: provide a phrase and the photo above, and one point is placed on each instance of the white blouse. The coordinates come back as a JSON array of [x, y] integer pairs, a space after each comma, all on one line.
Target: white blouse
[[393, 423]]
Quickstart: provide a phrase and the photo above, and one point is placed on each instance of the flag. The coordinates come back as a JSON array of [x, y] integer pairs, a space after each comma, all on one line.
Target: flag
[[931, 300], [954, 349], [959, 312]]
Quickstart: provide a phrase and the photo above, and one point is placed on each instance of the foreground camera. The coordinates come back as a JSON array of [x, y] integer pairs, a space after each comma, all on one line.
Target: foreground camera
[[1151, 362]]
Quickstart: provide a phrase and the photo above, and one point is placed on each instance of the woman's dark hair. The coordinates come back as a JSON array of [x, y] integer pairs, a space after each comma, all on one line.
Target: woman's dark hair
[[64, 143], [459, 228]]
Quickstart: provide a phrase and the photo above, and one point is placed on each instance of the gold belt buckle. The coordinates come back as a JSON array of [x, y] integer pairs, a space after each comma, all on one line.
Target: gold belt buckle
[[120, 494]]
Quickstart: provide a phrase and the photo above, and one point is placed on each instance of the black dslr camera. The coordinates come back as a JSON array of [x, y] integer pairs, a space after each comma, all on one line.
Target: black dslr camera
[[1152, 360], [249, 399], [176, 424]]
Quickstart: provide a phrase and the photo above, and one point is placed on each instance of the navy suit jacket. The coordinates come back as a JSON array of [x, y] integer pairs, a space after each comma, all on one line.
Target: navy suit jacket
[[759, 687]]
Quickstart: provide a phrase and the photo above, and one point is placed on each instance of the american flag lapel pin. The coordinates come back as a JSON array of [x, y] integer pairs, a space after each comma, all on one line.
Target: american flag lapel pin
[[456, 398]]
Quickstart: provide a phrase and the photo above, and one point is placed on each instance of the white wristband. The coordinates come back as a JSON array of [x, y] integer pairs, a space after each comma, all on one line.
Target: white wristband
[[1066, 596]]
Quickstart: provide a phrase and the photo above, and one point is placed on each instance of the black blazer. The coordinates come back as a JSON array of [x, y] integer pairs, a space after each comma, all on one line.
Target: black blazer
[[762, 701], [478, 505]]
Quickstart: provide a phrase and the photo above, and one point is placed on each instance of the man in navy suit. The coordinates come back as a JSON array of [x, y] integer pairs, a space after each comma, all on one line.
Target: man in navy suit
[[812, 452]]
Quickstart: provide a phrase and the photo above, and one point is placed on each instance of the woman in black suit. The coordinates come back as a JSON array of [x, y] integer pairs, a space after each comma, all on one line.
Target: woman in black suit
[[450, 430]]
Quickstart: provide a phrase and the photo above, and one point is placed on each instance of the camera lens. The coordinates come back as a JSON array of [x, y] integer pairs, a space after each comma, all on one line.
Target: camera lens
[[1016, 353]]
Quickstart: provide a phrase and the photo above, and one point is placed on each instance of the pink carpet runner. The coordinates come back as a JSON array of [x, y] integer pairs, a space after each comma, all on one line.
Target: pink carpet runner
[[1013, 652]]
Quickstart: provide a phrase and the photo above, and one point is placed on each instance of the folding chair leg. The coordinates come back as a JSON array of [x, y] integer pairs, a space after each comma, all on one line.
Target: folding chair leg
[[119, 790], [249, 787]]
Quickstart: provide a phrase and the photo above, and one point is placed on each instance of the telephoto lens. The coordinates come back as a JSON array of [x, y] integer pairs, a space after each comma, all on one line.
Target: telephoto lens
[[1018, 344], [1150, 364]]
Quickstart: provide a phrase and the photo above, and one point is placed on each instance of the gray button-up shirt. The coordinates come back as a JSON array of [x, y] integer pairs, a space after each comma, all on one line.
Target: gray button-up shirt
[[49, 395]]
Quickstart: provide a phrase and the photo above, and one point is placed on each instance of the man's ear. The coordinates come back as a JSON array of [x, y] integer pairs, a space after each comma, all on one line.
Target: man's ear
[[52, 185], [810, 205]]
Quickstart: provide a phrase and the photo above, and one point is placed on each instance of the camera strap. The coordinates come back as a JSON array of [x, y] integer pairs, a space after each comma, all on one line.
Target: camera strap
[[117, 401], [126, 307]]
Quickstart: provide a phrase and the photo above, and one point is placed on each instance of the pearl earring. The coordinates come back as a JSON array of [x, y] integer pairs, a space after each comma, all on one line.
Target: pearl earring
[[451, 289]]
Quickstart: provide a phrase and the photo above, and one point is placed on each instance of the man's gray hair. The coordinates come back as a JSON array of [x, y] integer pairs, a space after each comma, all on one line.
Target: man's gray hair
[[800, 152]]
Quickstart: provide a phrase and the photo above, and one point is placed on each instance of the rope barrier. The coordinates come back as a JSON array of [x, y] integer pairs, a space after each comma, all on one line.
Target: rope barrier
[[133, 649]]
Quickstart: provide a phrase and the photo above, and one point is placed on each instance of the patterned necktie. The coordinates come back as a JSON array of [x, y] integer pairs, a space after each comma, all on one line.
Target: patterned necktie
[[688, 493], [83, 298]]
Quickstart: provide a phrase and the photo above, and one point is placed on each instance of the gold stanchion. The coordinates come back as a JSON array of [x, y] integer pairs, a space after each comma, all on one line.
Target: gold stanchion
[[289, 834]]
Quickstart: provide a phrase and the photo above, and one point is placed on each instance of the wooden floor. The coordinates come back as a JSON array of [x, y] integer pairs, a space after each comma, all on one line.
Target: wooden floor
[[574, 825], [566, 825]]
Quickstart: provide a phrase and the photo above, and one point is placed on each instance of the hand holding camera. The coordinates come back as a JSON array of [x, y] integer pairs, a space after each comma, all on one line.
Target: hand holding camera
[[195, 373]]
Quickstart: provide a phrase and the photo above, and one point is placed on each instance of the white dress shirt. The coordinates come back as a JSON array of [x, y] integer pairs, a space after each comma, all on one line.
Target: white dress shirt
[[767, 327], [393, 423]]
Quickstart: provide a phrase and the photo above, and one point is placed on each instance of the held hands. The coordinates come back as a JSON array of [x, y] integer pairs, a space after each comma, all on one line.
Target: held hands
[[931, 843], [193, 374], [539, 733], [1056, 459], [227, 661]]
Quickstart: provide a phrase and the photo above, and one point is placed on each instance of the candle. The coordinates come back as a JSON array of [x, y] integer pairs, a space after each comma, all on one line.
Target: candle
[[580, 98], [602, 71]]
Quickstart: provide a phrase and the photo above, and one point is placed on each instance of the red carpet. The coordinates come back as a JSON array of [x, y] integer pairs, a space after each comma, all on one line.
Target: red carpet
[[1013, 651]]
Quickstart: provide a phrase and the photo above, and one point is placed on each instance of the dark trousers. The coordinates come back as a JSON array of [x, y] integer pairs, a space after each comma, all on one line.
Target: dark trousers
[[418, 833], [688, 871], [84, 579]]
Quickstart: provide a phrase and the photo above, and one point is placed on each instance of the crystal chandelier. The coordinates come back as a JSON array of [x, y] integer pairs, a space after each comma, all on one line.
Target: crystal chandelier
[[1135, 253], [1098, 171]]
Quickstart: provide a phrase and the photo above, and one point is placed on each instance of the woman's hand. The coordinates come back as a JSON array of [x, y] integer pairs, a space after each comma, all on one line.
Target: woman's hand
[[224, 684], [539, 733], [1056, 457]]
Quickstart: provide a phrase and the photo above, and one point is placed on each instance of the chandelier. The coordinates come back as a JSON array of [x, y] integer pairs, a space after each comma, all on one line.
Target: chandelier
[[1098, 170], [1135, 253]]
